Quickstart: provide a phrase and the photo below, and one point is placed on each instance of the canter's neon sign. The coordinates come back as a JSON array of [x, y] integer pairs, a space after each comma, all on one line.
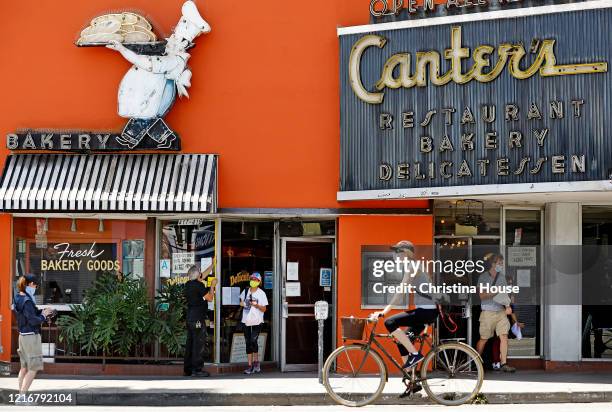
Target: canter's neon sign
[[397, 71]]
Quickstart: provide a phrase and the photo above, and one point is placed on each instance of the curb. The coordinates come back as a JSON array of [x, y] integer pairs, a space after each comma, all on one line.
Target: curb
[[201, 398]]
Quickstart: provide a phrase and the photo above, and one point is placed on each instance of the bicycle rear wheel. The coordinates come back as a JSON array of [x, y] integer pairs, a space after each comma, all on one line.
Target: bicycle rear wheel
[[354, 377], [452, 374]]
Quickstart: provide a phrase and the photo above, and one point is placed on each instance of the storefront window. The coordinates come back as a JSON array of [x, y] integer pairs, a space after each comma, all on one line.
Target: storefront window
[[185, 243], [597, 282], [247, 247], [69, 254]]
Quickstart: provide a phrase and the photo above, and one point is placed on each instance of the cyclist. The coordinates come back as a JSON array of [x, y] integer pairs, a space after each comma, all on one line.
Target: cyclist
[[416, 320]]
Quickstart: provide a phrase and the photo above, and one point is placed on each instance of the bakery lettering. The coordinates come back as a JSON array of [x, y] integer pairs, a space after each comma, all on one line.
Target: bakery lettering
[[398, 72], [71, 260]]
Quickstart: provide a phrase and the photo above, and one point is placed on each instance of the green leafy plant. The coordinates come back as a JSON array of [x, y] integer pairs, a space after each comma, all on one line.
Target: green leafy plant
[[170, 318], [116, 316]]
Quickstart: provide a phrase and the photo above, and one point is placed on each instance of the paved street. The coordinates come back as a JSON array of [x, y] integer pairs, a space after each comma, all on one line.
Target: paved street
[[556, 407]]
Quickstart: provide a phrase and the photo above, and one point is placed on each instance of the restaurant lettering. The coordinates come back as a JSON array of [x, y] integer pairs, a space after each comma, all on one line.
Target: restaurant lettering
[[513, 139], [398, 71]]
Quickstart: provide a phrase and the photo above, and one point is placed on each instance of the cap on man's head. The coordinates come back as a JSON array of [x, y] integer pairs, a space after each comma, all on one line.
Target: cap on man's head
[[255, 276], [30, 278], [402, 246]]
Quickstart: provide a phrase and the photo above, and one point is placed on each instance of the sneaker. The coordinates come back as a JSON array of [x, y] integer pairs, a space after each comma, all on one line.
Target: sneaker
[[496, 366], [256, 367], [507, 368], [200, 374], [249, 370], [413, 360]]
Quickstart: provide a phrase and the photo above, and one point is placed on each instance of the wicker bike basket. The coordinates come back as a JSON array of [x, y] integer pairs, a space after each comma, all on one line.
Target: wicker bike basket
[[352, 328]]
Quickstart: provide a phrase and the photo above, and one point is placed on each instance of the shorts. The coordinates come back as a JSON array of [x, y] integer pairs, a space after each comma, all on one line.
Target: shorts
[[30, 352], [415, 320], [493, 323]]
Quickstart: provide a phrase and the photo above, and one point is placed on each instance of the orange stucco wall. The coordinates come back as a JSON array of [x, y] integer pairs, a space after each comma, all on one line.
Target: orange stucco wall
[[264, 95], [357, 231]]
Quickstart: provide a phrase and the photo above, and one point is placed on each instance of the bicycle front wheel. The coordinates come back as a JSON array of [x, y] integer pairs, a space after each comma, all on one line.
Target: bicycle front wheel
[[353, 376], [452, 374]]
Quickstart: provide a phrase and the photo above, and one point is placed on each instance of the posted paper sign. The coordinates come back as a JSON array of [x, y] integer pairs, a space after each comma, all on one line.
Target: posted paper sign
[[293, 270], [205, 264], [325, 277], [230, 296], [181, 262], [164, 268], [523, 278], [268, 279], [294, 289], [522, 256]]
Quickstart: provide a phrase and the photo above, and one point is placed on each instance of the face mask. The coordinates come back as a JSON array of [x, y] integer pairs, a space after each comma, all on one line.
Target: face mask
[[254, 283], [499, 268], [30, 290]]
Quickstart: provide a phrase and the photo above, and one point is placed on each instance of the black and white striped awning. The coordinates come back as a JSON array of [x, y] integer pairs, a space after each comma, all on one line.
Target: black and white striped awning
[[109, 183]]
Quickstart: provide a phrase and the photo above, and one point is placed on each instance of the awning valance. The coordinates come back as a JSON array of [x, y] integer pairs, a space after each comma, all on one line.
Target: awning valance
[[109, 183]]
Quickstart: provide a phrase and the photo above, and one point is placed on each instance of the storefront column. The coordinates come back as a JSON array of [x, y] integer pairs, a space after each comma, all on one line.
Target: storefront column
[[562, 323], [6, 285], [151, 256]]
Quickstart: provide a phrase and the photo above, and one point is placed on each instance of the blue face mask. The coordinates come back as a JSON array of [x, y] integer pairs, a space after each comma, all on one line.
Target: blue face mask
[[30, 290], [499, 268]]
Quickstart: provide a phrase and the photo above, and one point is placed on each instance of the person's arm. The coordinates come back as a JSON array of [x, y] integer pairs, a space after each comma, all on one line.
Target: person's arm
[[264, 304], [485, 296], [31, 314], [396, 298], [210, 296]]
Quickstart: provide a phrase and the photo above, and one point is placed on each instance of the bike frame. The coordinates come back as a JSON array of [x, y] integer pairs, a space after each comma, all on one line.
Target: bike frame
[[372, 340]]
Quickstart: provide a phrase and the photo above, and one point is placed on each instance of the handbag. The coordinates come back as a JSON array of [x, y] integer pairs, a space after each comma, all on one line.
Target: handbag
[[251, 318]]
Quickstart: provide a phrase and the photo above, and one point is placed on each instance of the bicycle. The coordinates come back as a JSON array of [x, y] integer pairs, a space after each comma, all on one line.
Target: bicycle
[[355, 374]]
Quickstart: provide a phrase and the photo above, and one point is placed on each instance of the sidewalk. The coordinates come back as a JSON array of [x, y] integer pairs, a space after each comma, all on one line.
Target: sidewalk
[[303, 389]]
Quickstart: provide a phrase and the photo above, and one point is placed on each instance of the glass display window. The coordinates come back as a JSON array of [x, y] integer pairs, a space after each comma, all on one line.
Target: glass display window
[[69, 254]]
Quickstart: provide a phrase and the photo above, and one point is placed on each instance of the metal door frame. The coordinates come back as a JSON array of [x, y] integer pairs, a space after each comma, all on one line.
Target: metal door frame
[[542, 269], [283, 305]]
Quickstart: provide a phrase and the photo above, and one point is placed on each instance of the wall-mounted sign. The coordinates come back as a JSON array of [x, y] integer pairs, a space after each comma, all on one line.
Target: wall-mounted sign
[[379, 8], [515, 99], [65, 141], [181, 262], [522, 256], [67, 257], [325, 277], [146, 93]]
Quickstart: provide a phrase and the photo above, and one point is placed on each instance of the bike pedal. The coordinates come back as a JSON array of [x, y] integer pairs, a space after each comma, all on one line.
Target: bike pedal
[[411, 391]]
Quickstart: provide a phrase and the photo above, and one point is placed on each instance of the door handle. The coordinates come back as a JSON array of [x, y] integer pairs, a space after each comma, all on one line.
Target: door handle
[[285, 310]]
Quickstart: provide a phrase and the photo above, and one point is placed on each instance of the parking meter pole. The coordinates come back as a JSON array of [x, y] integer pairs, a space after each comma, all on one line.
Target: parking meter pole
[[320, 369]]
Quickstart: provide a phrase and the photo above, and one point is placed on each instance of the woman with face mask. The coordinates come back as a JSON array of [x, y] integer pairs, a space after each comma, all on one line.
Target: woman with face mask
[[254, 302], [29, 321]]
